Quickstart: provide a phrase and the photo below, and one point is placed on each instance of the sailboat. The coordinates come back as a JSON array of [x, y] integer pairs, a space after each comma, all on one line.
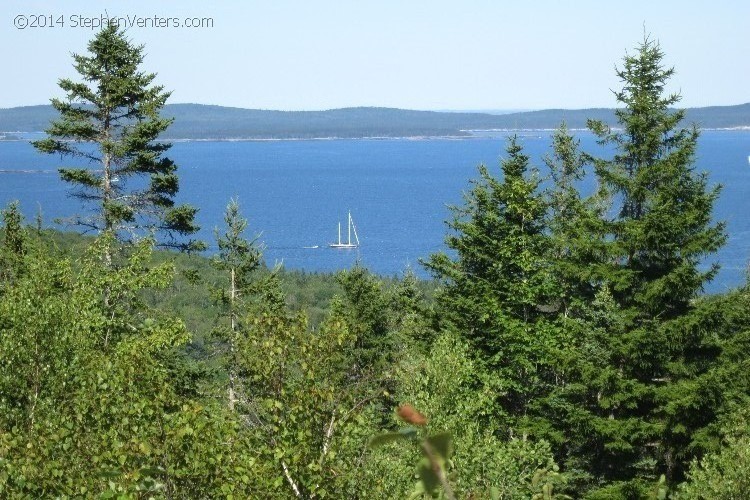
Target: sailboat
[[348, 243]]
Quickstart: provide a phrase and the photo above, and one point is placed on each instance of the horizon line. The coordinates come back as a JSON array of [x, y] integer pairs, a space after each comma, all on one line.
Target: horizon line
[[491, 111]]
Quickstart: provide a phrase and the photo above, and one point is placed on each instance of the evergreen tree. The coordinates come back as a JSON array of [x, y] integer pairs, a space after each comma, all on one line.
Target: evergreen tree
[[626, 348], [411, 315], [497, 287], [707, 377], [239, 258], [116, 108], [663, 229], [575, 223], [13, 247], [364, 306]]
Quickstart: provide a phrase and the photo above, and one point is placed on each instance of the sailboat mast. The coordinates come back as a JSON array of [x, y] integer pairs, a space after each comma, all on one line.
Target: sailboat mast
[[354, 228], [349, 230], [350, 227]]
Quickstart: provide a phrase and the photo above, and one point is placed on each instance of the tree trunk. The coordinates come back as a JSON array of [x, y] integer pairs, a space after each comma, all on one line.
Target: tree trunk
[[233, 320]]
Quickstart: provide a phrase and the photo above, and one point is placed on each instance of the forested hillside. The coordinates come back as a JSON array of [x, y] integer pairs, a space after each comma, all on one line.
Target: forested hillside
[[196, 121], [563, 350]]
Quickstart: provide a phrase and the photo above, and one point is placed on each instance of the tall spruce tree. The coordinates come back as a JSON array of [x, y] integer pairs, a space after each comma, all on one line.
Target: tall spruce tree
[[110, 123], [663, 229], [498, 286], [628, 354]]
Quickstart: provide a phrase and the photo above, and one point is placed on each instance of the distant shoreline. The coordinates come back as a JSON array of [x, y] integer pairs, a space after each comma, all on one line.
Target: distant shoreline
[[469, 136], [194, 122]]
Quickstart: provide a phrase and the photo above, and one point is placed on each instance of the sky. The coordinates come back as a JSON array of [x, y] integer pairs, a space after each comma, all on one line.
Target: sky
[[415, 54]]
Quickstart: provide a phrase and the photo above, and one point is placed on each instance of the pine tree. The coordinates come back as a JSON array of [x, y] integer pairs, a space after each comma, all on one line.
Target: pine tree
[[13, 245], [364, 306], [498, 286], [239, 258], [628, 351], [575, 223], [411, 313], [663, 229], [117, 108]]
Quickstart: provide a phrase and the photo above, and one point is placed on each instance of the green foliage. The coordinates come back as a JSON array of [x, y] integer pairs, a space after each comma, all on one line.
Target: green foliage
[[87, 406], [237, 256], [482, 464], [303, 414], [116, 108], [436, 451], [198, 283], [709, 373], [726, 473], [13, 234], [13, 245], [363, 307], [499, 285], [567, 330], [621, 405], [499, 239], [576, 226], [599, 406], [662, 232], [664, 227]]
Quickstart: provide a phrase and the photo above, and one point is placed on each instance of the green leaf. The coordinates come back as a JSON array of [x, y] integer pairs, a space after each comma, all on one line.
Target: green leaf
[[428, 477], [494, 493], [387, 438], [441, 443], [410, 432]]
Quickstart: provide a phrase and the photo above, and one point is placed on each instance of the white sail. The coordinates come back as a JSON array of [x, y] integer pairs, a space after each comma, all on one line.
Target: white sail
[[350, 228]]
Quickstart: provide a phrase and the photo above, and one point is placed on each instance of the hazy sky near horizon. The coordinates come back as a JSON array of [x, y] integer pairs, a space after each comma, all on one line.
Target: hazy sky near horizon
[[418, 54]]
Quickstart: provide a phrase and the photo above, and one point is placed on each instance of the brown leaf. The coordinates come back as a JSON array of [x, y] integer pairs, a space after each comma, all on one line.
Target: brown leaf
[[408, 413]]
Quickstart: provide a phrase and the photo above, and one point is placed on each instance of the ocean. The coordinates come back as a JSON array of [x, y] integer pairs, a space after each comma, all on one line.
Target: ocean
[[295, 192]]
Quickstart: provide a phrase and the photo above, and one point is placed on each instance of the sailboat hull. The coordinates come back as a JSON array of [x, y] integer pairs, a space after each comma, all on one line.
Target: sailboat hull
[[342, 245]]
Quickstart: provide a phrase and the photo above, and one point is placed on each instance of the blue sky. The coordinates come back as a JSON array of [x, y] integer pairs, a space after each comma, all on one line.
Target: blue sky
[[468, 54]]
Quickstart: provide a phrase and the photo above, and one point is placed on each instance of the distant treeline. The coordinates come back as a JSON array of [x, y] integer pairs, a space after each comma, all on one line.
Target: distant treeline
[[198, 121]]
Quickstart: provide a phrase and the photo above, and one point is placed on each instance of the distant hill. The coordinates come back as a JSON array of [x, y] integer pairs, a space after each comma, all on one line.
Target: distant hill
[[198, 121]]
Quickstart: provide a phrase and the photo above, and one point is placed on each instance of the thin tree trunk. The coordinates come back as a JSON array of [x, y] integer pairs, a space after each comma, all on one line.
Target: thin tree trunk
[[107, 192], [328, 434], [36, 384], [233, 320], [291, 482]]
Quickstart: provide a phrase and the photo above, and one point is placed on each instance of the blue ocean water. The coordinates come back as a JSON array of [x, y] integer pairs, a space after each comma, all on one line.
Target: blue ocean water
[[295, 192]]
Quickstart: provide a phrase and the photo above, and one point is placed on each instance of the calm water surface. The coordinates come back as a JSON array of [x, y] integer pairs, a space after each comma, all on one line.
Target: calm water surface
[[295, 192]]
